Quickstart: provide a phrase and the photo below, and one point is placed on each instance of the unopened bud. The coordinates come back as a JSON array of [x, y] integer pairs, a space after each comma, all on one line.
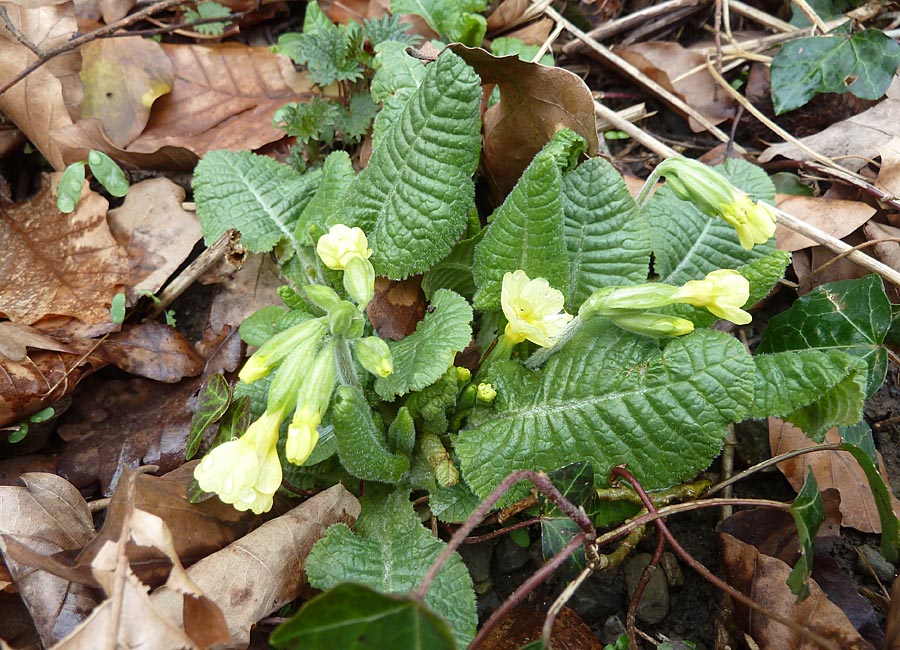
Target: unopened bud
[[375, 356], [321, 296], [340, 317], [359, 280]]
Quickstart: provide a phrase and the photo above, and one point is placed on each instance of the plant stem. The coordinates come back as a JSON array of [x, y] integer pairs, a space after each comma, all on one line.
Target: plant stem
[[644, 194], [344, 363]]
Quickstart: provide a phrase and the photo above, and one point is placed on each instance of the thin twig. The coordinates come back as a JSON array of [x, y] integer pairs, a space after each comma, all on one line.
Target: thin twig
[[646, 575], [561, 600], [769, 462]]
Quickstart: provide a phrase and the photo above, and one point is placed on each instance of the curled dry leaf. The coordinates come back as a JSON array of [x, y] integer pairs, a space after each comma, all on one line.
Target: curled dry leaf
[[56, 264], [48, 515], [244, 291], [835, 469], [259, 573], [536, 101], [835, 217], [154, 351], [397, 307], [15, 339]]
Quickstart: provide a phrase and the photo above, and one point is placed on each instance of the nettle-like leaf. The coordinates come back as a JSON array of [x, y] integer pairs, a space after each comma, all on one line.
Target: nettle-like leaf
[[688, 244], [863, 64], [413, 198], [457, 20], [361, 442], [389, 28], [454, 271], [422, 357], [397, 76], [337, 177], [205, 10], [851, 315], [354, 121], [607, 239], [258, 196], [390, 552], [814, 389], [311, 120], [331, 52], [612, 397], [526, 232]]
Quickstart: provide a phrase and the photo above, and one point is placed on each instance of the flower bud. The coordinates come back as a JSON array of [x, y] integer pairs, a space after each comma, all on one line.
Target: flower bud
[[340, 245], [340, 317], [651, 324], [375, 356], [612, 300], [463, 375], [359, 280], [722, 292], [277, 347], [289, 375], [312, 402], [321, 296], [486, 393]]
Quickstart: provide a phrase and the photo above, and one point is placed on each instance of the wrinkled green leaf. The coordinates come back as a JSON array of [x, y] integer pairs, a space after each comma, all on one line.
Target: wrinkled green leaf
[[390, 552], [337, 176], [257, 195], [413, 198], [612, 397], [212, 402], [108, 173], [863, 64], [457, 20], [402, 433], [808, 511], [453, 504], [423, 356], [262, 324], [526, 232], [354, 617], [361, 443], [608, 241], [397, 76], [70, 184], [454, 271], [851, 315]]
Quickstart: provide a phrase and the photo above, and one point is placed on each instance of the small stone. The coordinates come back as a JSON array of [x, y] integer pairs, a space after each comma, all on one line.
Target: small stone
[[882, 568], [654, 603]]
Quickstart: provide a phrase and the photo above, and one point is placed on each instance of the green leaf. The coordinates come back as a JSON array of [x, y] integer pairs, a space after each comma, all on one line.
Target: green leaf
[[763, 273], [858, 442], [361, 443], [423, 356], [256, 195], [262, 324], [688, 244], [863, 64], [331, 52], [69, 190], [208, 9], [355, 617], [354, 121], [108, 173], [608, 242], [825, 9], [808, 511], [611, 397], [507, 46], [850, 315], [454, 271], [576, 483], [389, 28], [814, 389], [457, 20], [429, 406], [526, 232], [314, 19], [453, 504], [235, 420], [390, 552], [117, 309], [397, 76], [337, 177], [311, 120], [413, 198], [402, 433], [212, 402]]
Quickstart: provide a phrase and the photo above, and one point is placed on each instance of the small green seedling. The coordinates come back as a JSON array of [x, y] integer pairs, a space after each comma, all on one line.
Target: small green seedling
[[103, 168]]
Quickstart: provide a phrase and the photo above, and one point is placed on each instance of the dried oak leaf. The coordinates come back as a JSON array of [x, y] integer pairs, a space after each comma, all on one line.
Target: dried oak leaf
[[836, 217], [47, 516], [524, 625], [536, 101], [832, 469], [154, 351], [58, 264]]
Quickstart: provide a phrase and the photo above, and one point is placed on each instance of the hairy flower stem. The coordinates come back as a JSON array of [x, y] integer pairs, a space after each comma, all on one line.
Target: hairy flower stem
[[346, 373], [541, 355], [644, 194]]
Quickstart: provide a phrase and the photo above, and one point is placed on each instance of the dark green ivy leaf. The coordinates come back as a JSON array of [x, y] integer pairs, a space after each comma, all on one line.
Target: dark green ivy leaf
[[808, 511]]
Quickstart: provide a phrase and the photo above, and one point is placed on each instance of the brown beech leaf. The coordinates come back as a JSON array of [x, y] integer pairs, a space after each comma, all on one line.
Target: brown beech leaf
[[121, 78], [43, 378], [892, 629], [836, 217], [47, 516], [154, 351], [510, 14], [889, 173], [155, 231], [122, 424], [835, 469], [667, 63], [524, 625], [15, 339], [36, 105], [262, 571], [397, 307], [244, 291], [536, 101], [59, 264]]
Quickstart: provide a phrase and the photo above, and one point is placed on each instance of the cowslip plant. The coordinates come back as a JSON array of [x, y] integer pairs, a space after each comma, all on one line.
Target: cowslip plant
[[584, 356]]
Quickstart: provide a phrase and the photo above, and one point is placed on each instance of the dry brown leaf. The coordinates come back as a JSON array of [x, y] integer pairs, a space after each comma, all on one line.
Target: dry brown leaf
[[536, 101], [250, 288], [817, 265], [121, 78], [154, 351], [835, 217], [36, 105], [885, 251], [114, 10], [59, 264], [667, 63], [48, 515], [397, 307], [892, 628], [510, 14], [16, 338], [835, 469], [889, 173], [155, 231], [524, 625], [259, 573]]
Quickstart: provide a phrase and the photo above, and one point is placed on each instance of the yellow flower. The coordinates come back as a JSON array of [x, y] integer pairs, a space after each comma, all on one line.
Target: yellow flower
[[303, 434], [245, 472], [342, 244], [312, 402], [722, 292], [271, 353], [753, 220], [532, 308]]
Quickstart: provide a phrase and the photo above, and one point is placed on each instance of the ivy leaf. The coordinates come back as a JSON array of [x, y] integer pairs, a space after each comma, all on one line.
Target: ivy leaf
[[354, 616], [851, 315], [413, 198], [457, 20], [390, 552], [808, 511], [258, 196], [863, 64], [212, 402], [688, 244], [576, 483], [612, 397], [337, 177], [526, 232], [608, 242], [813, 389], [361, 443], [423, 356], [397, 76]]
